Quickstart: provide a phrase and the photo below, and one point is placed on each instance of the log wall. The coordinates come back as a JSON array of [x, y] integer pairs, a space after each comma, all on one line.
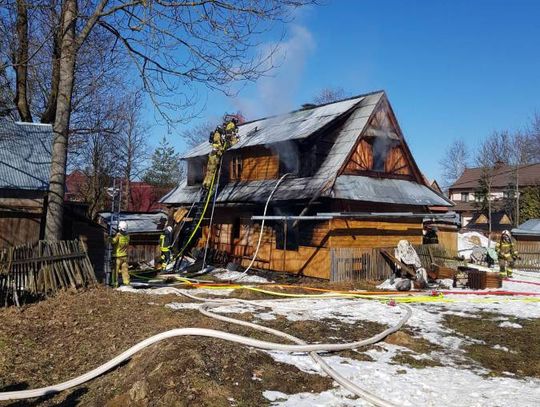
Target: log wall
[[316, 239]]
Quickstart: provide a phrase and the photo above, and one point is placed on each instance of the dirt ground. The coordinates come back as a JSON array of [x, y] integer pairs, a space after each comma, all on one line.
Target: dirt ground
[[72, 333], [65, 336]]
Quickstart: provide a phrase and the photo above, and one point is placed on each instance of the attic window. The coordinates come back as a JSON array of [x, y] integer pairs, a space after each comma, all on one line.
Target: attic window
[[380, 148], [236, 167]]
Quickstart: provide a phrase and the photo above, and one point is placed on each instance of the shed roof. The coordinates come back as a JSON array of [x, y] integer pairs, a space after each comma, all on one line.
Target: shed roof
[[529, 228], [25, 155], [138, 222]]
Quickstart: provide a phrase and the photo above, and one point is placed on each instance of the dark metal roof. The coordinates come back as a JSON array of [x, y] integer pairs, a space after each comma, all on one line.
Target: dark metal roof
[[25, 155], [290, 126], [358, 110], [387, 190], [138, 222], [529, 228]]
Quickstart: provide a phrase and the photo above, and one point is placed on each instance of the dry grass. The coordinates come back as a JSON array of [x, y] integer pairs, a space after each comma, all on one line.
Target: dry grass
[[523, 344]]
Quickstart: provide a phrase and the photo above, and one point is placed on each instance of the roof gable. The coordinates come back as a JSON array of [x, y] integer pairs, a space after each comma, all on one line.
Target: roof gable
[[25, 155]]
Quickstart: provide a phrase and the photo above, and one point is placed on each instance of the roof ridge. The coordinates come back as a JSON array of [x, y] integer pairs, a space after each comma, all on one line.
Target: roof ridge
[[314, 106]]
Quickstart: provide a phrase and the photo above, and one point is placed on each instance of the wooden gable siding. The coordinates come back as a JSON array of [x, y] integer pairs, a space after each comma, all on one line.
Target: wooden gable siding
[[253, 164], [363, 159]]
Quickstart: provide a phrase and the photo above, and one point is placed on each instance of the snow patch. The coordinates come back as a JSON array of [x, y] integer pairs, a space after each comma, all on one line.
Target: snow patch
[[508, 324], [223, 274]]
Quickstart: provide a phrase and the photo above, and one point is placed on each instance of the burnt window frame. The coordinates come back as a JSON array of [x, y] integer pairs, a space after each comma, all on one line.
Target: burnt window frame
[[293, 236], [236, 167]]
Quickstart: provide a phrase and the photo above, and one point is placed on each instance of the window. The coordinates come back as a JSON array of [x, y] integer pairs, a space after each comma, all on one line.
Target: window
[[236, 167], [289, 239], [236, 229], [465, 197]]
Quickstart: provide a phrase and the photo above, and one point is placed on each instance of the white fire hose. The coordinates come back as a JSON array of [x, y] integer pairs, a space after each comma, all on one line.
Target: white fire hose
[[300, 346]]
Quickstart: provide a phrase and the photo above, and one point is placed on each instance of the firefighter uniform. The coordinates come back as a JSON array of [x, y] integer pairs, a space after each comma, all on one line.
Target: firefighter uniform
[[120, 243], [165, 243], [221, 139], [506, 254]]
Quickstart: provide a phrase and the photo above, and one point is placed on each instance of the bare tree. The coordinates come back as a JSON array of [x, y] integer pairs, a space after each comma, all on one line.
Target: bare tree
[[329, 95], [198, 134], [533, 132], [130, 147], [171, 45], [454, 162]]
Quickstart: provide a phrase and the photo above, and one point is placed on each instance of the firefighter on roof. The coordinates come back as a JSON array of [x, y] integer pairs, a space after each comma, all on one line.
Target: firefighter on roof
[[222, 138], [506, 253]]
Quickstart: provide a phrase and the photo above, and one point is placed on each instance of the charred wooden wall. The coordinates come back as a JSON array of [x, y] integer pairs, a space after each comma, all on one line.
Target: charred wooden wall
[[236, 234]]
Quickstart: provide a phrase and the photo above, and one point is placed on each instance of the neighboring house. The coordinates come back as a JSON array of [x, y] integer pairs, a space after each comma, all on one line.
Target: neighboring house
[[347, 159], [143, 197], [463, 191], [25, 161]]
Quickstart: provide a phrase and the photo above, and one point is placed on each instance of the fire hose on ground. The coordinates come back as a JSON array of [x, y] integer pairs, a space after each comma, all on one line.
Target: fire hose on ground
[[299, 346]]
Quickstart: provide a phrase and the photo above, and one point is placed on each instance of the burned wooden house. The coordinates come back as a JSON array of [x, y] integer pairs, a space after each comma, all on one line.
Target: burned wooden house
[[353, 183]]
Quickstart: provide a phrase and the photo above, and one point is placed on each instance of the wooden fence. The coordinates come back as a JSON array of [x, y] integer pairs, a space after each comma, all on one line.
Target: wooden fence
[[529, 253], [438, 254], [350, 264], [33, 271]]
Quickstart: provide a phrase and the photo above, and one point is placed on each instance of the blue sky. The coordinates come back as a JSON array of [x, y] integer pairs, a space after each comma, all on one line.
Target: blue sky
[[452, 69]]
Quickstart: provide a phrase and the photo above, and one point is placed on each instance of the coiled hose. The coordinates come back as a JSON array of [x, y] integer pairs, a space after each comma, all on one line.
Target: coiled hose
[[300, 346]]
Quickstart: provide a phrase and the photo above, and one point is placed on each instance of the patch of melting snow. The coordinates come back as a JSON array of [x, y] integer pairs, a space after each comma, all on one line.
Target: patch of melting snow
[[503, 348], [171, 290], [183, 305], [431, 386], [508, 324], [223, 274]]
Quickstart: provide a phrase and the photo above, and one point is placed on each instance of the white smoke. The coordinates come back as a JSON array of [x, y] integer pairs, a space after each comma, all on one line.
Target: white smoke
[[286, 62]]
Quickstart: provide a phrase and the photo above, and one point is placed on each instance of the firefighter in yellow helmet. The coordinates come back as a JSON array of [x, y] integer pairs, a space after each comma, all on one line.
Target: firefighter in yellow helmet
[[506, 253], [222, 138], [120, 244], [165, 243]]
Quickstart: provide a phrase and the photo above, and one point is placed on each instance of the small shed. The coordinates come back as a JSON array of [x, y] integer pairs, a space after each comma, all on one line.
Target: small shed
[[527, 237], [143, 229], [25, 161]]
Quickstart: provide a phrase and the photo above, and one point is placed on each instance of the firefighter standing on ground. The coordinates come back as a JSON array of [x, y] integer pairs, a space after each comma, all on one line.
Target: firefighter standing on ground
[[506, 253], [221, 139], [120, 244], [165, 243]]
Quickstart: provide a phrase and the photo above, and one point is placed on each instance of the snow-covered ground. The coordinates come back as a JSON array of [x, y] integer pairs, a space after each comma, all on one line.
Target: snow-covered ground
[[459, 381], [454, 383]]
